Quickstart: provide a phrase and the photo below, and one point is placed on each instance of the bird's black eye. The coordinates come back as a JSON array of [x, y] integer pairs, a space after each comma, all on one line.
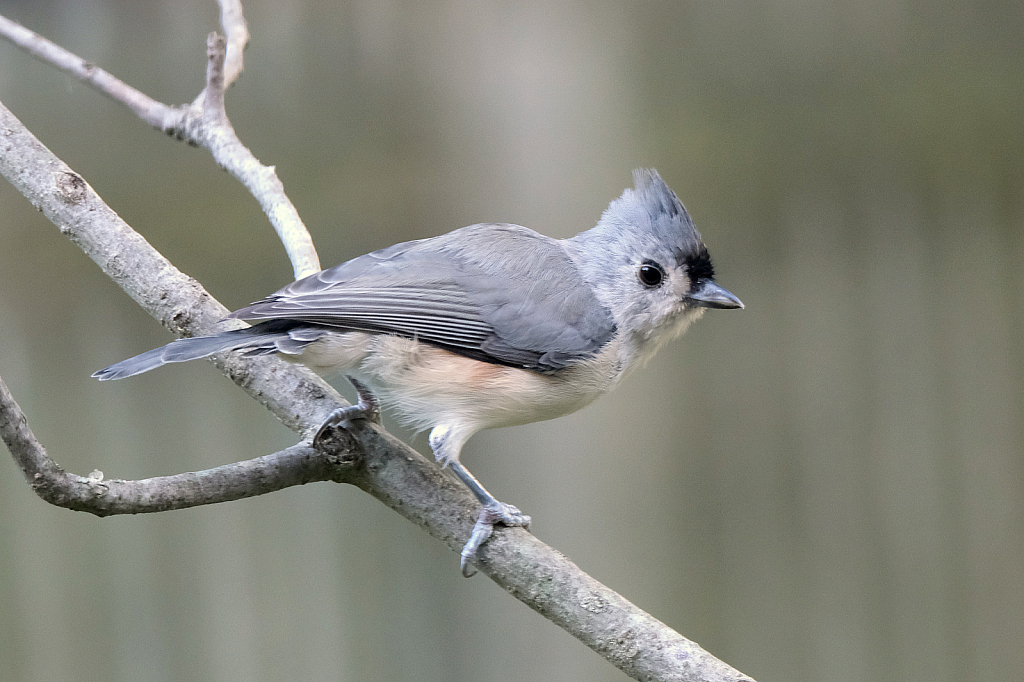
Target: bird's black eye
[[650, 274]]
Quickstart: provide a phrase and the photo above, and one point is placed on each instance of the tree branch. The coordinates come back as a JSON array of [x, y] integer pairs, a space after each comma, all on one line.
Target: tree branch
[[233, 22], [297, 465], [203, 123], [148, 109], [365, 455]]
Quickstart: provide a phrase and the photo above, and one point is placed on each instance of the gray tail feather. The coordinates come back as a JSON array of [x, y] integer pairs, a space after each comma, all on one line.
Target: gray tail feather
[[262, 339]]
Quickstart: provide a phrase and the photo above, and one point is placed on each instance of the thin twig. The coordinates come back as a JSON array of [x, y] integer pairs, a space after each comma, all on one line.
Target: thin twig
[[232, 20], [97, 495], [195, 124], [148, 109], [219, 137]]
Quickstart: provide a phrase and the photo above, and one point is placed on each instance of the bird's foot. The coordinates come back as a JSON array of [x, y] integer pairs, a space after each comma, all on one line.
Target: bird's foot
[[367, 408], [490, 514]]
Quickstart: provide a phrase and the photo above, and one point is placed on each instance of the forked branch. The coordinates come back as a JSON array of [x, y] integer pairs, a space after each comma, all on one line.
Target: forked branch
[[203, 123]]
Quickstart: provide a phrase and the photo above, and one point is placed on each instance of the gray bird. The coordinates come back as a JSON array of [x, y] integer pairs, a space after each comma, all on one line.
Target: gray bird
[[486, 326]]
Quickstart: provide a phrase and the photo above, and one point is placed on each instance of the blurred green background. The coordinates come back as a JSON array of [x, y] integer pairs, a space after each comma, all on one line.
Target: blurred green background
[[828, 485]]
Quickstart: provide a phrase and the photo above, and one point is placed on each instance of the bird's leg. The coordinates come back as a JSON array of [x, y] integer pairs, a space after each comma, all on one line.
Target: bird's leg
[[446, 442], [492, 512], [366, 408]]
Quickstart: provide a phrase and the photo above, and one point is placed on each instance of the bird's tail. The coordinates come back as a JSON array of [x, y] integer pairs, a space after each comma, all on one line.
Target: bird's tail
[[262, 339]]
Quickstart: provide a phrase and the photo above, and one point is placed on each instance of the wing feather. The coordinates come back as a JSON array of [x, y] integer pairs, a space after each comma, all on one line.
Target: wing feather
[[462, 291]]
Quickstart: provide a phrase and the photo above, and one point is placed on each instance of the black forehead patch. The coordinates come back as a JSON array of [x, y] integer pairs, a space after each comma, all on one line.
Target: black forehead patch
[[698, 264]]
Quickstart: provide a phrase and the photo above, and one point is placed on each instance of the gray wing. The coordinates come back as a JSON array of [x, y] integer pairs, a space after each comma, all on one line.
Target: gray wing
[[498, 293]]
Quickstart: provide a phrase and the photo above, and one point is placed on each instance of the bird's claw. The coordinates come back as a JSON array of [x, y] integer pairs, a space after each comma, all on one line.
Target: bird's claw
[[367, 408], [490, 514]]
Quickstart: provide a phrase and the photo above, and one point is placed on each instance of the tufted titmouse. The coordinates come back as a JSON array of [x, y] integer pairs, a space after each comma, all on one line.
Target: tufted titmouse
[[490, 325]]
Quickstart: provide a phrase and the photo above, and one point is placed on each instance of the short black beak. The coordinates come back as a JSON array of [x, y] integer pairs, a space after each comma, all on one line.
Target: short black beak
[[709, 295]]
